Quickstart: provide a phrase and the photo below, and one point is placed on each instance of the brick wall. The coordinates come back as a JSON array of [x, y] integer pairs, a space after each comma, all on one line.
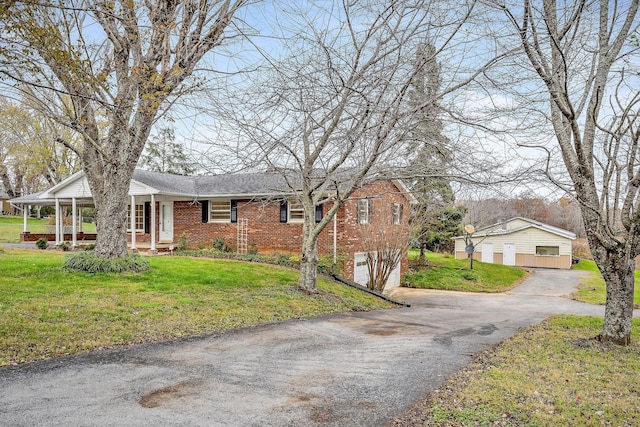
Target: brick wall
[[266, 231], [362, 237], [269, 235]]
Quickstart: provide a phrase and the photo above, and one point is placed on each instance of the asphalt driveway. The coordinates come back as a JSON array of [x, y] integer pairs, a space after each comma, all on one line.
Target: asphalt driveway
[[356, 369]]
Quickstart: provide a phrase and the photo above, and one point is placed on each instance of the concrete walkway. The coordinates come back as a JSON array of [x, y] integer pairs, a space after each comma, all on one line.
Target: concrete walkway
[[356, 369]]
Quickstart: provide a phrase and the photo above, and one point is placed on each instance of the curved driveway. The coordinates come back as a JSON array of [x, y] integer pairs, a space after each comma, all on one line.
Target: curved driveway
[[356, 369]]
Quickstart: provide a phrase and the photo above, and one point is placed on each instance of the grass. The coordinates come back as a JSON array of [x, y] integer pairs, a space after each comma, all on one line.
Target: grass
[[551, 374], [11, 227], [444, 272], [47, 311], [592, 288]]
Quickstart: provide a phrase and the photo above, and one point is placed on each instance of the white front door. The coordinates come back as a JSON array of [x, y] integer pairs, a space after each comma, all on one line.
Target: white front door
[[487, 252], [509, 254], [166, 221]]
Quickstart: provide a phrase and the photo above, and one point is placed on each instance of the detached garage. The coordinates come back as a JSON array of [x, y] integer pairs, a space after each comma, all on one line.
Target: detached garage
[[521, 242]]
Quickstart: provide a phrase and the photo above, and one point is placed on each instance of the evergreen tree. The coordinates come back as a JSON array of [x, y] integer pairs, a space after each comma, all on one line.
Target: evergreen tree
[[164, 154], [432, 215]]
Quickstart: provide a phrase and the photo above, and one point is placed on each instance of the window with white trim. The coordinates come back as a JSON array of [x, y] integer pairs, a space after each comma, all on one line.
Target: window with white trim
[[296, 211], [220, 211], [365, 211], [396, 213], [139, 218], [548, 250]]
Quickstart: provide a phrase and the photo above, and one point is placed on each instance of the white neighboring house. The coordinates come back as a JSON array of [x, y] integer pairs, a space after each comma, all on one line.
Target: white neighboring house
[[521, 242]]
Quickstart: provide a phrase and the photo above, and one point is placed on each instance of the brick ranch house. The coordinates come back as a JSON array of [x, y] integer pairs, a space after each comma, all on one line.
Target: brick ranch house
[[249, 211]]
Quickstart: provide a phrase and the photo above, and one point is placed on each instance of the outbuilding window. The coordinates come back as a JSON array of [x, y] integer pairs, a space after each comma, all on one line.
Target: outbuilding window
[[548, 250]]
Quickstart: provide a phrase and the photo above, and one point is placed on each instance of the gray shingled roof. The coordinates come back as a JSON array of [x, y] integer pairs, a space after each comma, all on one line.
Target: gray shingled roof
[[217, 185], [232, 185]]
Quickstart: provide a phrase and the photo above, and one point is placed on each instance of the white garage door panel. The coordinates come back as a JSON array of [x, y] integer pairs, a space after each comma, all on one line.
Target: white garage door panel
[[361, 272]]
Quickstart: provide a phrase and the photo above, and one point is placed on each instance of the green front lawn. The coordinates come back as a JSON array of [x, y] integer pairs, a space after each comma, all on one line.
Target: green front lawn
[[551, 374], [47, 311], [444, 272], [11, 227], [592, 288]]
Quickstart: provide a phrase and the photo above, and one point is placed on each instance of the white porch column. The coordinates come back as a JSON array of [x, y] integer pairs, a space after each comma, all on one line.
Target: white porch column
[[335, 238], [74, 227], [133, 223], [25, 214], [58, 239], [153, 223], [79, 220]]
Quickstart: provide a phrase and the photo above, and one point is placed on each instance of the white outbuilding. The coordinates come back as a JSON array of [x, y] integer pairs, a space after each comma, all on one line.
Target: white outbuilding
[[520, 242]]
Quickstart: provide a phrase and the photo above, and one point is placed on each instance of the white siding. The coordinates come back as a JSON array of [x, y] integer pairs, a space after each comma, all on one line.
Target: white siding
[[525, 241], [78, 188]]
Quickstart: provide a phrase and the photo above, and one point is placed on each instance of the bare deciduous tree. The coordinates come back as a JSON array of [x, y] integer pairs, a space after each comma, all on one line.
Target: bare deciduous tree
[[332, 109], [119, 62], [581, 53]]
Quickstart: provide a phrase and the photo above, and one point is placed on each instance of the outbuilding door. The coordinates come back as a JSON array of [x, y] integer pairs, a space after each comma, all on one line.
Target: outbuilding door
[[509, 254], [487, 252]]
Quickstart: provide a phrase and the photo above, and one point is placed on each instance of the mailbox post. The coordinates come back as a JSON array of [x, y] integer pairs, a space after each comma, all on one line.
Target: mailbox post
[[469, 246]]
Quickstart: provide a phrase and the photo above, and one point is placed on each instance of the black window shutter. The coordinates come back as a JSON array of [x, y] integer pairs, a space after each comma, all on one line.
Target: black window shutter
[[401, 211], [234, 211], [318, 213], [358, 211], [205, 210], [370, 219], [283, 211], [147, 217]]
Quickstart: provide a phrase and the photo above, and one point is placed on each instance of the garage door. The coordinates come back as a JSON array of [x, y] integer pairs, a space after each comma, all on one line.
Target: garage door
[[361, 272]]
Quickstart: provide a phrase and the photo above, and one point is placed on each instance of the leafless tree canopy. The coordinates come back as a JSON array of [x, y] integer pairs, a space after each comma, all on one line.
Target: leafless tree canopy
[[107, 69], [580, 85]]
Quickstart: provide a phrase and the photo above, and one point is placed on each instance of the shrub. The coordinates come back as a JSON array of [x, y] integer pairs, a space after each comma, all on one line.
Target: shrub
[[183, 242], [220, 245], [65, 246], [88, 261], [42, 243], [90, 247], [253, 249]]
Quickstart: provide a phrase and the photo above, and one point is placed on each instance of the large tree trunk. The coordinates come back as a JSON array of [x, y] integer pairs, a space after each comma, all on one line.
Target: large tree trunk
[[309, 256], [309, 267], [111, 222], [618, 271], [109, 185]]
